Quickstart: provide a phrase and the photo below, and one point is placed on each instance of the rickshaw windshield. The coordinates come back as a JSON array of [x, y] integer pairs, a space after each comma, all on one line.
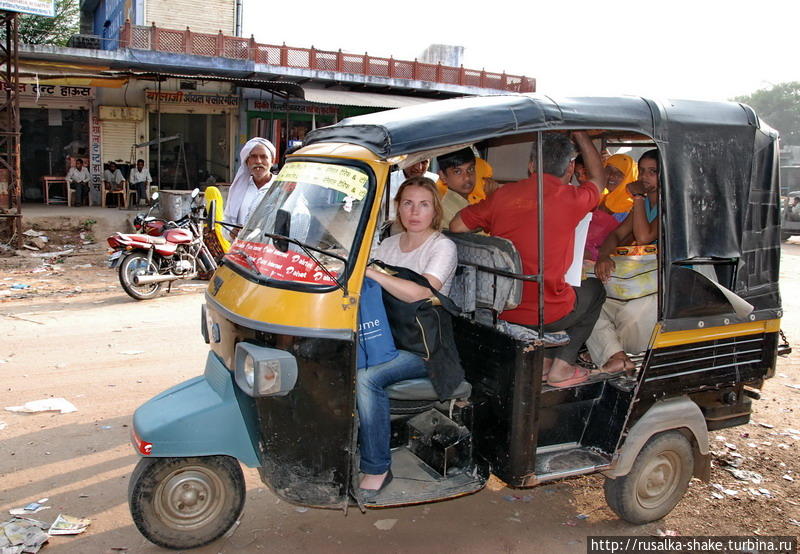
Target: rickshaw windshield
[[304, 228]]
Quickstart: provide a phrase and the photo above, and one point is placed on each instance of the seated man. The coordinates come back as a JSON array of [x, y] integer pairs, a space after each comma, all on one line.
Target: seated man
[[78, 178], [113, 179], [140, 179], [511, 212], [626, 326], [463, 180]]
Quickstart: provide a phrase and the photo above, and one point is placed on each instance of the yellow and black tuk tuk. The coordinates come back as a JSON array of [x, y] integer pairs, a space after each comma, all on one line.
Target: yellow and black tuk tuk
[[281, 317]]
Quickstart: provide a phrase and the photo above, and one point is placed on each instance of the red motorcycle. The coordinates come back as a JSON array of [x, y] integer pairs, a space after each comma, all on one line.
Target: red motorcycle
[[163, 252]]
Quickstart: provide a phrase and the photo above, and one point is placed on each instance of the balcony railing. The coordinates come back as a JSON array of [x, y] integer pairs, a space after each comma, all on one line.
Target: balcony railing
[[203, 44]]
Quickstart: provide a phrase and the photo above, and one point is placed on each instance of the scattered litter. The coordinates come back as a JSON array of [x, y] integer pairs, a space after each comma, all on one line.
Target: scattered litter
[[793, 386], [99, 302], [717, 495], [106, 427], [3, 361], [752, 444], [31, 508], [794, 522], [29, 247], [729, 492], [730, 446], [3, 425], [301, 509], [53, 254], [33, 233], [69, 525], [20, 286], [81, 266], [570, 524], [516, 498], [385, 524], [783, 445], [582, 516], [788, 477], [667, 533], [744, 475], [768, 425], [22, 535], [46, 405], [792, 431], [765, 492], [132, 352]]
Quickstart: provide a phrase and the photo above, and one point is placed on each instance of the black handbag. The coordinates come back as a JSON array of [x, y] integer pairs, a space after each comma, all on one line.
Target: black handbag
[[416, 326]]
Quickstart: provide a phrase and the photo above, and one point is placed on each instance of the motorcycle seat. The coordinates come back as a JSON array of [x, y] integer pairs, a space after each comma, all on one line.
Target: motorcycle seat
[[147, 239]]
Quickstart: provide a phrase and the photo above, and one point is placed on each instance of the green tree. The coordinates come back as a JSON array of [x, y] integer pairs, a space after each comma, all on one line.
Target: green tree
[[35, 29], [780, 107]]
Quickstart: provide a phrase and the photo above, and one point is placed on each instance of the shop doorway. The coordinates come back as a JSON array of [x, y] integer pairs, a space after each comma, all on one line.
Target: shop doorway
[[200, 150], [48, 138]]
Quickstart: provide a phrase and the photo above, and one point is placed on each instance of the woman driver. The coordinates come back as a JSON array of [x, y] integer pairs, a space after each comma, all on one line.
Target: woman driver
[[423, 249]]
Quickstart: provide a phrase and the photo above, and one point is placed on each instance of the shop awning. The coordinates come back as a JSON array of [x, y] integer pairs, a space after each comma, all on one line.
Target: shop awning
[[362, 99]]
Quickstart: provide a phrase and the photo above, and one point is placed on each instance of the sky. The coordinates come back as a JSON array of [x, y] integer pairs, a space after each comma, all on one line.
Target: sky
[[701, 49]]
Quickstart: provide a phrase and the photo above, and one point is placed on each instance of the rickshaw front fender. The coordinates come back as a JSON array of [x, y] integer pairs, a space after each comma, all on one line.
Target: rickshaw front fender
[[204, 416], [679, 413]]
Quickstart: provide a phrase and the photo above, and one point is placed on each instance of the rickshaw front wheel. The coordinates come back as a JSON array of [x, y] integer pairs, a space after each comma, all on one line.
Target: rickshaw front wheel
[[182, 503], [657, 481]]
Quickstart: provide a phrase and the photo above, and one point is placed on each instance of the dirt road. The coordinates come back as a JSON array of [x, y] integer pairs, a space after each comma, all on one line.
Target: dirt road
[[107, 354]]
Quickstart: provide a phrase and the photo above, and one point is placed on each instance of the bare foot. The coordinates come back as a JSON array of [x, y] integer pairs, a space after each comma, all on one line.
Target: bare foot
[[618, 362], [372, 482]]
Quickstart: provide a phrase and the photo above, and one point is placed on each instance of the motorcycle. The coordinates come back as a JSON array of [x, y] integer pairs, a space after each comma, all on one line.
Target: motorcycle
[[163, 252]]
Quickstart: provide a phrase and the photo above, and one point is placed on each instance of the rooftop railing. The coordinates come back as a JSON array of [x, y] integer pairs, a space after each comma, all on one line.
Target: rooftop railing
[[237, 48]]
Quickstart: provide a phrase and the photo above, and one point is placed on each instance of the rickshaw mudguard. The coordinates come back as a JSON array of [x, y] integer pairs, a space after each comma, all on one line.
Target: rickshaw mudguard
[[204, 416], [665, 415]]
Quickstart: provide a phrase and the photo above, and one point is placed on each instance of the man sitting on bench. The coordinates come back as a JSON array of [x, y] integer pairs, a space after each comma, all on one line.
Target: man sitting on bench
[[511, 212]]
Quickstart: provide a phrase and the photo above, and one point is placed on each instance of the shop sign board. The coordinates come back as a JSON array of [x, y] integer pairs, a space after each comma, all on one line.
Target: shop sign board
[[30, 90], [294, 107], [95, 153], [46, 8], [121, 113], [191, 98]]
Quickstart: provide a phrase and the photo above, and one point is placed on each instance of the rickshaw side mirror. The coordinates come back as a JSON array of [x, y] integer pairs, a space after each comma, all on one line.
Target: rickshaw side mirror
[[195, 192], [154, 196], [212, 209], [283, 225]]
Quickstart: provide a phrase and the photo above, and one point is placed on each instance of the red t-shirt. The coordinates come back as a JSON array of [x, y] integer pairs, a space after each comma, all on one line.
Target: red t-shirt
[[511, 213]]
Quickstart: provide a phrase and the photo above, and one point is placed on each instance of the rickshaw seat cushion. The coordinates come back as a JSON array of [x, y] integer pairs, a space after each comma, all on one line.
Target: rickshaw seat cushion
[[474, 287], [422, 389]]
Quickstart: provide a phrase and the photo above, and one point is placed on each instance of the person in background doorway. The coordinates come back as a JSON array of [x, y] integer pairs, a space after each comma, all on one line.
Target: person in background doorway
[[78, 178], [114, 181], [249, 185], [140, 178]]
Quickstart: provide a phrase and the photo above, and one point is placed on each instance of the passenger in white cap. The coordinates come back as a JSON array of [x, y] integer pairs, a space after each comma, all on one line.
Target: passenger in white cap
[[249, 185]]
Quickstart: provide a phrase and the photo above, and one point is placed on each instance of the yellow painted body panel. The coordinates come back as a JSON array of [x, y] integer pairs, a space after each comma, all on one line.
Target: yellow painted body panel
[[311, 310], [676, 338]]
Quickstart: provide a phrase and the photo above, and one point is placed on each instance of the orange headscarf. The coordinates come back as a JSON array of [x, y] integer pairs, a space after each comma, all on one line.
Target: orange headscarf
[[620, 200], [482, 170]]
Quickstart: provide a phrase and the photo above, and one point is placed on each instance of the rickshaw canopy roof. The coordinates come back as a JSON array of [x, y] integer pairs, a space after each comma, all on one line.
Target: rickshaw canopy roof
[[719, 172]]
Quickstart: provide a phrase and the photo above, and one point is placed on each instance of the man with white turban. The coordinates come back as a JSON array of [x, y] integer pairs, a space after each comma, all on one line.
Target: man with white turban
[[249, 185]]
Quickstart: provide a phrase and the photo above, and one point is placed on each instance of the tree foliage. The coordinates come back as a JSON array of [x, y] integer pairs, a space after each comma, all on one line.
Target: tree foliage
[[780, 107], [35, 29]]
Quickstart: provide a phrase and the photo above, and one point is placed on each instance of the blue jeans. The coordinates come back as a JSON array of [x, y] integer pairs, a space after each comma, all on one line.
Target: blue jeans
[[373, 407]]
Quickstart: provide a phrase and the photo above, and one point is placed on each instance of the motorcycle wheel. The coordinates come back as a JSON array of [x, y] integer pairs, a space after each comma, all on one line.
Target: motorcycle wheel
[[137, 264]]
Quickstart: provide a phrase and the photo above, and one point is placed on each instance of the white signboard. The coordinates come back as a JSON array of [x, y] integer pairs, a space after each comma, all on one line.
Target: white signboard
[[34, 7]]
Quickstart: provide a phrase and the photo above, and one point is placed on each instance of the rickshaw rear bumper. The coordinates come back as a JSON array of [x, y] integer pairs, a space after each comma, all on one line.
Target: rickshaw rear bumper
[[204, 416]]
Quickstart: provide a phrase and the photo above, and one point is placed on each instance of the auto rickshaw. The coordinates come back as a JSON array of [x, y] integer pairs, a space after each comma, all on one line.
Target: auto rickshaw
[[281, 319]]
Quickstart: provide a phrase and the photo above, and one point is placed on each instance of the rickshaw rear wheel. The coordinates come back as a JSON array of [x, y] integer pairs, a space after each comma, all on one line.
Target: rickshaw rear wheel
[[182, 503], [657, 481]]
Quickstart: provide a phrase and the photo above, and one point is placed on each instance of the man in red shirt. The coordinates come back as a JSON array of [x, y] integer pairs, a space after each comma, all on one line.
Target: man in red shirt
[[511, 212]]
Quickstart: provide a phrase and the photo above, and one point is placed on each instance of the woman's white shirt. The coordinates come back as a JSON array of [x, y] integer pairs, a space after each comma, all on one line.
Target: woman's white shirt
[[436, 256]]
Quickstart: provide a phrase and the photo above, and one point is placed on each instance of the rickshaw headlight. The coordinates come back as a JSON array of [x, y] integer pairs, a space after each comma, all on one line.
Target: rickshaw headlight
[[264, 371]]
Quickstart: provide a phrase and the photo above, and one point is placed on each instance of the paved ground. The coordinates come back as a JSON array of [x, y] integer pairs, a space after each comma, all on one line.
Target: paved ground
[[107, 354]]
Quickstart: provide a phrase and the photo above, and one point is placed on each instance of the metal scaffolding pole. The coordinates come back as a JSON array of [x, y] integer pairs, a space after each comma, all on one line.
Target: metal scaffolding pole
[[11, 202]]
